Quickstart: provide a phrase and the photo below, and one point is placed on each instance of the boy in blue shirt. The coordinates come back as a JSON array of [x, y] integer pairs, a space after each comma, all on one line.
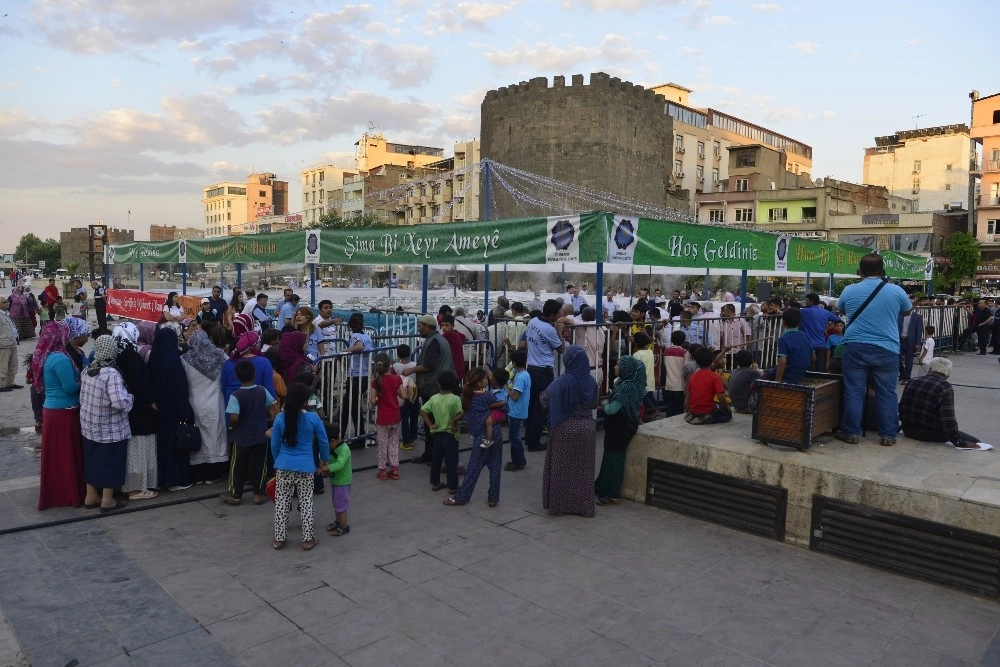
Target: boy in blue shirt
[[832, 342], [248, 414], [518, 396], [794, 350]]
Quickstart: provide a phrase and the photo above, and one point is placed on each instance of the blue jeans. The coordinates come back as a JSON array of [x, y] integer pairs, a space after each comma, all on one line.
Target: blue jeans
[[864, 364], [516, 444]]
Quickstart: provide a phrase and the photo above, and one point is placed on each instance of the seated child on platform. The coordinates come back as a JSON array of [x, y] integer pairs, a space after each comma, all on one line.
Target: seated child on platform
[[706, 396]]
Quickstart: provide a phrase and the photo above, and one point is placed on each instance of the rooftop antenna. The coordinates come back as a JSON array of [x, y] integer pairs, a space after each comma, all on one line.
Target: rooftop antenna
[[915, 121]]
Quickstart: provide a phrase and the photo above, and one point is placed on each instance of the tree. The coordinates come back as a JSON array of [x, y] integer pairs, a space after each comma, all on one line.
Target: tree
[[963, 251], [38, 250], [367, 220]]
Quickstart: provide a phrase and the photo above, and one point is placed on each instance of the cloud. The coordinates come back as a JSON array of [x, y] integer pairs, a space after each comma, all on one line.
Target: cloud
[[808, 48], [624, 6], [547, 57], [720, 20], [447, 17], [691, 51], [402, 65], [766, 7], [916, 41]]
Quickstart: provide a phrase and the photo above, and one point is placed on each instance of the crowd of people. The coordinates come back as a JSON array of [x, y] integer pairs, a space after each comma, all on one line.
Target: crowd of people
[[233, 394]]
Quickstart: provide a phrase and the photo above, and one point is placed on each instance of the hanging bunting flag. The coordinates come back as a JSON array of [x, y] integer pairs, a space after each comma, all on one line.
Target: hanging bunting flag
[[312, 246], [622, 239], [563, 242]]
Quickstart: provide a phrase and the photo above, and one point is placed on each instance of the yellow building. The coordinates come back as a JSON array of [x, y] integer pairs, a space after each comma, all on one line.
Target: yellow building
[[986, 132], [372, 150], [929, 165], [319, 183], [702, 137], [229, 207], [450, 195]]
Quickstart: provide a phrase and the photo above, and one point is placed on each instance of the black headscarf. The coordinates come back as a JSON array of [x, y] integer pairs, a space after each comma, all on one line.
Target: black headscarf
[[170, 383]]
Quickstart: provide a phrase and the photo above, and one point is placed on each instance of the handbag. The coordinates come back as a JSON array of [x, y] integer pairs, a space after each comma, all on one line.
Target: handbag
[[838, 352], [188, 438]]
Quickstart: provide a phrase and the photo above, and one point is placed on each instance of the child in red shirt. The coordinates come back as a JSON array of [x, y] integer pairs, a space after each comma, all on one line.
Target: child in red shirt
[[455, 342], [385, 394], [706, 395]]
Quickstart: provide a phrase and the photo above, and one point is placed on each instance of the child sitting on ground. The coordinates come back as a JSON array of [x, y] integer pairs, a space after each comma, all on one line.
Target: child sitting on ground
[[498, 408], [926, 352], [706, 397]]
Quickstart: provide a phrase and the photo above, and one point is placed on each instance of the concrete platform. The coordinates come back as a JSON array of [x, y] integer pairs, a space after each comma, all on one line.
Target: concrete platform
[[918, 479]]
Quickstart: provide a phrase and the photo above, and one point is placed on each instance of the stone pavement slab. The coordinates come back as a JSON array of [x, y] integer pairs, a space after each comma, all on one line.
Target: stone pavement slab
[[416, 583]]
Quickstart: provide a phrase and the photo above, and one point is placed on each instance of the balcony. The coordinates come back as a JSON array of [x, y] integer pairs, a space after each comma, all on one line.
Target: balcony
[[987, 167], [809, 221], [988, 201]]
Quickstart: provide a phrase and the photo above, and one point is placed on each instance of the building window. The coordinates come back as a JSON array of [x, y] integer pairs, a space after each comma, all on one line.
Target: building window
[[948, 167], [716, 216], [809, 213], [916, 166], [701, 149], [996, 154], [261, 193], [679, 142], [677, 167], [777, 214], [996, 117], [746, 160], [716, 149], [916, 185], [742, 184], [321, 195], [715, 174], [700, 171], [744, 215], [947, 186], [229, 216], [992, 226]]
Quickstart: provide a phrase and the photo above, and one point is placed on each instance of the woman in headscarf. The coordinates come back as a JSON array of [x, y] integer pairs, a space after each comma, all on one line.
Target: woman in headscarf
[[170, 387], [203, 365], [621, 420], [79, 334], [292, 355], [243, 323], [19, 312], [57, 377], [147, 332], [104, 407], [567, 479], [140, 466], [247, 347]]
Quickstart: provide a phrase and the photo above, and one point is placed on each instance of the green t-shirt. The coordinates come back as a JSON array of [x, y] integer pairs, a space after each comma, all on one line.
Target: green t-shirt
[[443, 408]]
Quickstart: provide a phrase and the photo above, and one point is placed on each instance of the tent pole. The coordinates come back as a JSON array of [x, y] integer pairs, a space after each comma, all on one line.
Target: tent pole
[[142, 277], [312, 284], [184, 279], [808, 285], [505, 280], [599, 290], [425, 271], [563, 278], [831, 285], [631, 286], [743, 291], [708, 285], [486, 288], [239, 275]]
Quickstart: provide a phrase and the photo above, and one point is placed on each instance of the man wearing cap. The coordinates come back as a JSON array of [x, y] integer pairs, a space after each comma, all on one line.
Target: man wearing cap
[[100, 305], [543, 345], [433, 359], [8, 348], [206, 313]]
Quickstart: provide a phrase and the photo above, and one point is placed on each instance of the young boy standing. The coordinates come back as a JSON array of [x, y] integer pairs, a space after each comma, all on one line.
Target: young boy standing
[[926, 352], [248, 414], [441, 414], [518, 395]]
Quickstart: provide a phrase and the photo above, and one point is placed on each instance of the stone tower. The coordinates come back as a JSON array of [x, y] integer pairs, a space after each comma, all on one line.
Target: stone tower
[[611, 136]]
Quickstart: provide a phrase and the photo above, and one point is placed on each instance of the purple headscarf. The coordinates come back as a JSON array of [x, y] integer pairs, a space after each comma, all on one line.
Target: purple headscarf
[[574, 388]]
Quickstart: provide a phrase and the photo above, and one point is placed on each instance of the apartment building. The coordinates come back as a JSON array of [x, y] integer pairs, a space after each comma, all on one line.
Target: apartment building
[[372, 150], [230, 207], [702, 138], [319, 182], [761, 192], [173, 233], [929, 165], [985, 132]]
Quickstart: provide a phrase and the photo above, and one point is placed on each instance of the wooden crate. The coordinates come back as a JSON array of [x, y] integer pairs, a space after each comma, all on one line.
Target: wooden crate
[[793, 414]]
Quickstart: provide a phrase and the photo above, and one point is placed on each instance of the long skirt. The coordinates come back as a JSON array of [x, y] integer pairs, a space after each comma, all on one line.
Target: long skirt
[[172, 466], [140, 464], [618, 433], [62, 459], [568, 476], [25, 327], [104, 463]]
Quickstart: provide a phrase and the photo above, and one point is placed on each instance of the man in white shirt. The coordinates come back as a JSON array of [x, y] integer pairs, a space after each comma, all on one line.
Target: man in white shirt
[[326, 323]]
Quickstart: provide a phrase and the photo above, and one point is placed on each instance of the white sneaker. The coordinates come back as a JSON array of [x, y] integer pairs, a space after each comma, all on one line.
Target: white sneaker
[[486, 444], [178, 488]]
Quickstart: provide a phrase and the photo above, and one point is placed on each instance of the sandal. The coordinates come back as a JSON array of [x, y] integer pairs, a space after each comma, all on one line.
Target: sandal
[[119, 504], [309, 544], [92, 506], [383, 475], [451, 502], [278, 545], [144, 495], [340, 530], [393, 474]]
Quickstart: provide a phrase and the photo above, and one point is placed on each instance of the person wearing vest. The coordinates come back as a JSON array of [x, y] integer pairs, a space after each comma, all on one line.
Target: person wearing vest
[[433, 359], [100, 304], [248, 413]]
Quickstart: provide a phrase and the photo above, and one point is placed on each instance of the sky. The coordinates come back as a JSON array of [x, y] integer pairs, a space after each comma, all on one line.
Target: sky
[[111, 106]]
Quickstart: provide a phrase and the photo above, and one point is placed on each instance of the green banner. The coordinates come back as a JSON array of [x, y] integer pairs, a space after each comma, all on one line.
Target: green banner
[[587, 238], [680, 244]]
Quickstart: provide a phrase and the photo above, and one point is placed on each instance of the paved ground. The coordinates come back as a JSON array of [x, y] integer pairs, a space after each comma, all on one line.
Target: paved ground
[[415, 582]]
